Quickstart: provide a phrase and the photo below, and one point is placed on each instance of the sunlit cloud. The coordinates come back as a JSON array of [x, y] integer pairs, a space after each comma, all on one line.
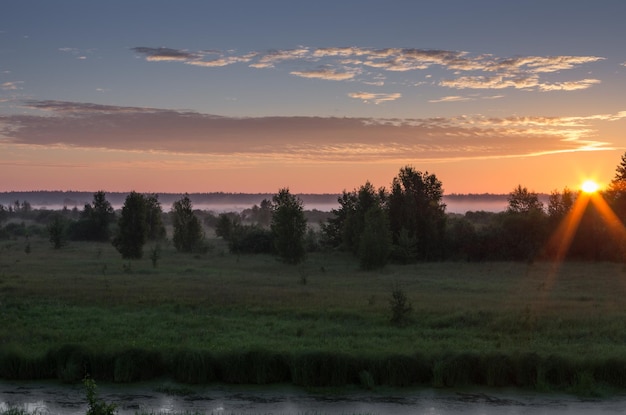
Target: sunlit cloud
[[325, 73], [570, 85], [464, 70], [491, 82], [71, 125], [375, 98], [452, 98]]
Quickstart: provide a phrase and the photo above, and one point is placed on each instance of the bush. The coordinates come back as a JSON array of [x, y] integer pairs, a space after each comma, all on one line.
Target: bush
[[400, 307], [96, 406], [251, 240]]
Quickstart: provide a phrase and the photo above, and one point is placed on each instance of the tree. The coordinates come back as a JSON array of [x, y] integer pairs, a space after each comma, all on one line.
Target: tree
[[560, 204], [226, 225], [56, 232], [415, 204], [154, 218], [375, 240], [132, 227], [616, 193], [523, 225], [188, 234], [523, 201], [332, 229], [4, 213], [288, 227], [95, 220]]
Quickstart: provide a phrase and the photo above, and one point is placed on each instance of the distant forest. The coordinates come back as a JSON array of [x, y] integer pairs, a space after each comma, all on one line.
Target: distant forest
[[323, 201]]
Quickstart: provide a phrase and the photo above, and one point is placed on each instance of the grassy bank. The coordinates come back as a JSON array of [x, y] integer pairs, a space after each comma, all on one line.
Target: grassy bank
[[251, 319]]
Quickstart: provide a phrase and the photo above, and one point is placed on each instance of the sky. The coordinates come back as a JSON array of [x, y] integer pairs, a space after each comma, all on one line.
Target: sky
[[253, 96]]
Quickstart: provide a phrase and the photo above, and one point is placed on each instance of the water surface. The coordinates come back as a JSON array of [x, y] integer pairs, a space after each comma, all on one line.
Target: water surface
[[53, 398]]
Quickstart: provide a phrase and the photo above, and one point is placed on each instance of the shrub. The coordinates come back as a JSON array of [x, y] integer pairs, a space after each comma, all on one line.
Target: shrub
[[96, 406], [400, 307]]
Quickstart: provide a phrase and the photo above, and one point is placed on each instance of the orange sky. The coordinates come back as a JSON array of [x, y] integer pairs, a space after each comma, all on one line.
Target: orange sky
[[250, 96]]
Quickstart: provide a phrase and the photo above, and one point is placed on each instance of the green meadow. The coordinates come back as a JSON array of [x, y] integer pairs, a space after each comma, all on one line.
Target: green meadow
[[198, 318]]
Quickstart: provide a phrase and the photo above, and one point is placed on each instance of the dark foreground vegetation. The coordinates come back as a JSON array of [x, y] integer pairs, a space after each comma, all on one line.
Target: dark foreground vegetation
[[386, 290], [251, 319]]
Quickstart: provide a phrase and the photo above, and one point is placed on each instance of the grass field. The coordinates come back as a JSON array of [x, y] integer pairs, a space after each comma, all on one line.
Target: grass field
[[241, 319]]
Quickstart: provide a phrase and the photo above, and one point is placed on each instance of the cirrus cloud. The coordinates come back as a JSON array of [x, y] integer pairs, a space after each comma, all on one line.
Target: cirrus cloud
[[369, 65]]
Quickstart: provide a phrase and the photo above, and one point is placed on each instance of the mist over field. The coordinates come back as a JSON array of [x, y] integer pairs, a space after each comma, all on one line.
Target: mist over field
[[236, 202]]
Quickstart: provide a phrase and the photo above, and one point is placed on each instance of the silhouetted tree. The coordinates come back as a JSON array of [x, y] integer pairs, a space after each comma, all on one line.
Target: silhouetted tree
[[616, 193], [226, 224], [523, 225], [375, 239], [132, 227], [415, 204], [288, 227], [154, 218], [95, 220], [560, 204], [57, 232], [188, 234]]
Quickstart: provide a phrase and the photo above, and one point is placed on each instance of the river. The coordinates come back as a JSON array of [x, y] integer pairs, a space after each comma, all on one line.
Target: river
[[156, 398]]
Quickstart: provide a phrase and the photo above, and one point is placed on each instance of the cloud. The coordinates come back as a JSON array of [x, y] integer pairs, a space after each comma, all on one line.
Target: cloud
[[452, 98], [77, 53], [569, 86], [72, 125], [375, 98], [326, 74], [165, 54], [11, 86], [492, 82], [482, 71]]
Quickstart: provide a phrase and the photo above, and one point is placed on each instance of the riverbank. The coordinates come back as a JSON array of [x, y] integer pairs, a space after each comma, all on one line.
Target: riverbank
[[250, 319], [163, 397]]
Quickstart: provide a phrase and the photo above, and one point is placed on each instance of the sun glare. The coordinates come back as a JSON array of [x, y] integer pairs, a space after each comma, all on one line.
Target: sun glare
[[589, 186]]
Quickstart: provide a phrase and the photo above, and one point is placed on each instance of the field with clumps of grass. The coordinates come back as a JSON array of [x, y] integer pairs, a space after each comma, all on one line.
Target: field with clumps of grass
[[251, 319]]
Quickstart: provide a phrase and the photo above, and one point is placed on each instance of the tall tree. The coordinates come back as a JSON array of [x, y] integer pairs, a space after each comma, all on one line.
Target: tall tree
[[415, 204], [188, 234], [132, 227], [616, 193], [375, 239], [523, 225], [154, 218], [95, 220], [288, 227], [521, 200]]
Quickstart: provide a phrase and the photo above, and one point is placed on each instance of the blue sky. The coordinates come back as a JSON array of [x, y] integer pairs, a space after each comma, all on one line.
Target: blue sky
[[250, 96]]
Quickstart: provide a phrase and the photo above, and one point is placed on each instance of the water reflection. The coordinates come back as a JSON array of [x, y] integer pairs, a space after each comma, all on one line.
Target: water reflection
[[53, 398]]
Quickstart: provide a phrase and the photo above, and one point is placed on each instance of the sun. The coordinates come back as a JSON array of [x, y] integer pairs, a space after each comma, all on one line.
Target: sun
[[589, 186]]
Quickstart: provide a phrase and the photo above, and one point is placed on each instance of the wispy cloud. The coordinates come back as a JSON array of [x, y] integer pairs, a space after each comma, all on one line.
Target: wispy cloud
[[375, 98], [80, 54], [452, 98], [326, 73], [369, 65], [145, 130], [11, 86]]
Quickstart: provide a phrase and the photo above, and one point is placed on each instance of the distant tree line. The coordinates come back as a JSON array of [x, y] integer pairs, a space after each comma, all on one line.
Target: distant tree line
[[403, 224]]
